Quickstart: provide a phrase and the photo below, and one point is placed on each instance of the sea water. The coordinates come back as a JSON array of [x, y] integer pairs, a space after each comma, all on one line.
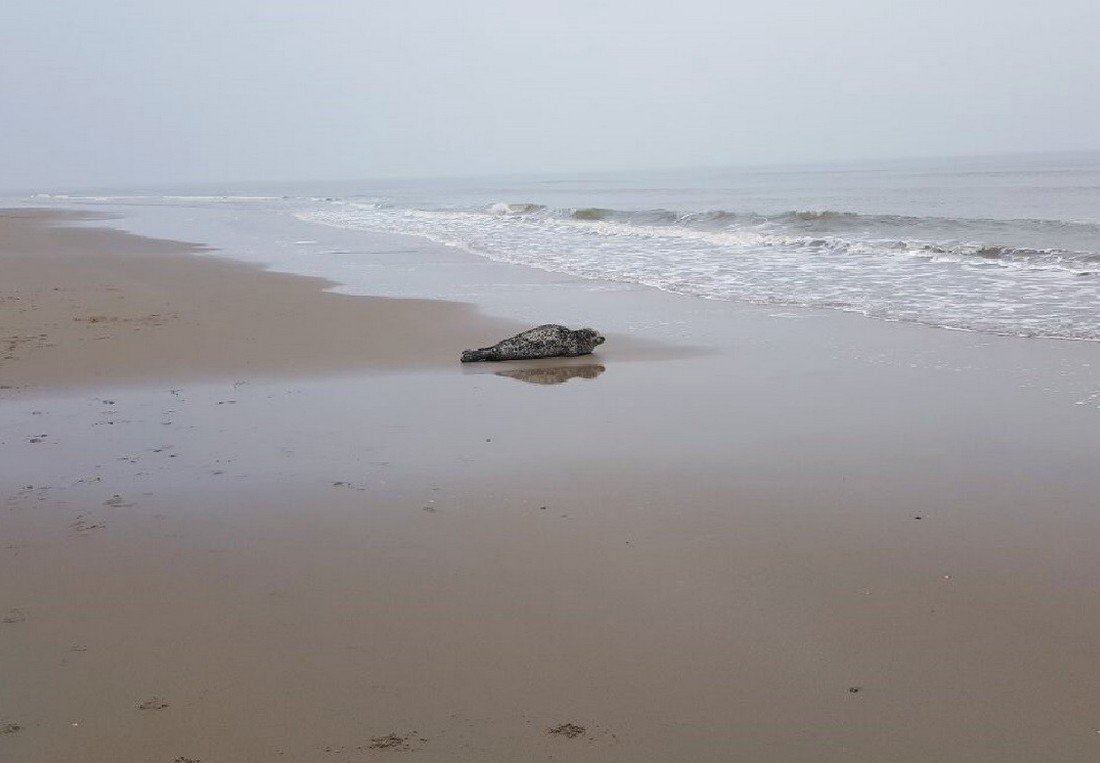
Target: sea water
[[1007, 245]]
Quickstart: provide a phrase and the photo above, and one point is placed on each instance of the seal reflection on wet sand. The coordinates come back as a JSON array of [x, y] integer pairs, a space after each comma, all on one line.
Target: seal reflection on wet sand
[[553, 374]]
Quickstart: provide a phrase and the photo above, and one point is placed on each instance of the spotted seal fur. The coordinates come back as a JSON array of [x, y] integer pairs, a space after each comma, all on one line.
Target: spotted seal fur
[[547, 341]]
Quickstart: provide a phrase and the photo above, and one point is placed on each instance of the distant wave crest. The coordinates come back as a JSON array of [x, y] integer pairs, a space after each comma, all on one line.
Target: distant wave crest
[[514, 209], [942, 238]]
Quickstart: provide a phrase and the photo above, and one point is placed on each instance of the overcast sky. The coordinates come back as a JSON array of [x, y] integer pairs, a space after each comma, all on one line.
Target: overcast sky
[[114, 92]]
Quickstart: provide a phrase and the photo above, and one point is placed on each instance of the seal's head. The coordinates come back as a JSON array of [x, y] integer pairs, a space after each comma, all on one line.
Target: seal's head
[[589, 337]]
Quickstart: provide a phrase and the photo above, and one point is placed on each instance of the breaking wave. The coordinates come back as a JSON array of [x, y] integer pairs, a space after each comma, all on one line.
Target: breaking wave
[[978, 274], [938, 238]]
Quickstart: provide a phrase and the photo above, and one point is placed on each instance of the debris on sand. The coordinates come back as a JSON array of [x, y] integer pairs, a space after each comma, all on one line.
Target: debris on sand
[[10, 728], [153, 703], [387, 742], [567, 730]]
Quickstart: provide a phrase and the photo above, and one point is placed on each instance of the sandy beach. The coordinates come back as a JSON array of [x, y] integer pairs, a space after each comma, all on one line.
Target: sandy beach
[[245, 518], [92, 305]]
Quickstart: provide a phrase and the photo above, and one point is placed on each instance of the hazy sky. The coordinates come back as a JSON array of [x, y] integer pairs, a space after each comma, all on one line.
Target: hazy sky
[[113, 92]]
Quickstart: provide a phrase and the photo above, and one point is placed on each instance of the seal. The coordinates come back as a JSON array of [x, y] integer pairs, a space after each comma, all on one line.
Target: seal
[[546, 341]]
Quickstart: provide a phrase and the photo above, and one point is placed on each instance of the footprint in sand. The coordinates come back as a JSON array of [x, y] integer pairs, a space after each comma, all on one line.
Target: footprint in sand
[[567, 730], [592, 733], [83, 527], [389, 742]]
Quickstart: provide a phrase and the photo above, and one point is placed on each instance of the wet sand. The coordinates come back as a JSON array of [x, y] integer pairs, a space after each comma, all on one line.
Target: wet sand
[[838, 540], [86, 305]]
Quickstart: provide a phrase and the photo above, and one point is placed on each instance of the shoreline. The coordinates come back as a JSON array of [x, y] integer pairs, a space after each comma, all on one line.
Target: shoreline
[[309, 558], [143, 309]]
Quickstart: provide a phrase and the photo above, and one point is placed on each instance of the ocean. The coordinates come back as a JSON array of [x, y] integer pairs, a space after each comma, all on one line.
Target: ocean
[[1005, 245]]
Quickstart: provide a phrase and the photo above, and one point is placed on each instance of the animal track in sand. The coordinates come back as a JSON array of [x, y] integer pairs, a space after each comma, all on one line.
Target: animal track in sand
[[13, 343], [153, 703], [14, 615], [591, 732], [389, 742], [153, 319], [567, 730], [83, 527]]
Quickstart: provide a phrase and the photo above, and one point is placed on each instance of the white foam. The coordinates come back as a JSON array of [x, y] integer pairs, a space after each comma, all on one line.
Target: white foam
[[910, 281]]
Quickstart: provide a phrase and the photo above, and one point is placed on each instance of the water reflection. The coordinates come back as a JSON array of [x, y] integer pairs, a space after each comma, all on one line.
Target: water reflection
[[553, 374]]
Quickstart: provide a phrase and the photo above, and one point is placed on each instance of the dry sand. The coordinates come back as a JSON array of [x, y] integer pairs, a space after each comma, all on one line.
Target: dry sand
[[783, 554]]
